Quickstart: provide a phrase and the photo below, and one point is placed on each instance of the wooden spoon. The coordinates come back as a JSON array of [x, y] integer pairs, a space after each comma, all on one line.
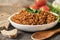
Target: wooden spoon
[[44, 34]]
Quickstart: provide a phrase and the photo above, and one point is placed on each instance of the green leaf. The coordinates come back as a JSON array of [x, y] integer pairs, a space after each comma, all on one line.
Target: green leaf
[[55, 10], [32, 10]]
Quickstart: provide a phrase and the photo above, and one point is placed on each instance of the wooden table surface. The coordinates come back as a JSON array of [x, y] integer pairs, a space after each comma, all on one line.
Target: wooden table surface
[[24, 35]]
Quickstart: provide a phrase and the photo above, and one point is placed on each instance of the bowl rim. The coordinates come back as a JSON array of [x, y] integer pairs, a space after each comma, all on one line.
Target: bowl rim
[[9, 18]]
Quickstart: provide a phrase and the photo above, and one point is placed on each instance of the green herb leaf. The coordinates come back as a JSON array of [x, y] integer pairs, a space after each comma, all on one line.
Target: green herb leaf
[[32, 10]]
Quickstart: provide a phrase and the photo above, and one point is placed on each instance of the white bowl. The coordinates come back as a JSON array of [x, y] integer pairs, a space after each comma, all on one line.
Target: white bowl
[[32, 28]]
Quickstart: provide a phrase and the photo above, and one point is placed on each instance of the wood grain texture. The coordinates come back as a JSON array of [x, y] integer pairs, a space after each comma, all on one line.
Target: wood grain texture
[[24, 35]]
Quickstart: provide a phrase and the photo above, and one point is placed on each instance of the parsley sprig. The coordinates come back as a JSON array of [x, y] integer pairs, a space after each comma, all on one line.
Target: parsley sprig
[[32, 10]]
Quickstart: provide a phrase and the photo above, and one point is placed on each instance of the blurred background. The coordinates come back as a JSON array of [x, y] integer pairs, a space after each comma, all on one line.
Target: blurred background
[[11, 6]]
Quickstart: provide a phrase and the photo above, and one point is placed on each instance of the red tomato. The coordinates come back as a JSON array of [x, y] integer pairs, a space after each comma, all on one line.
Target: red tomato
[[34, 7], [40, 2], [45, 8]]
